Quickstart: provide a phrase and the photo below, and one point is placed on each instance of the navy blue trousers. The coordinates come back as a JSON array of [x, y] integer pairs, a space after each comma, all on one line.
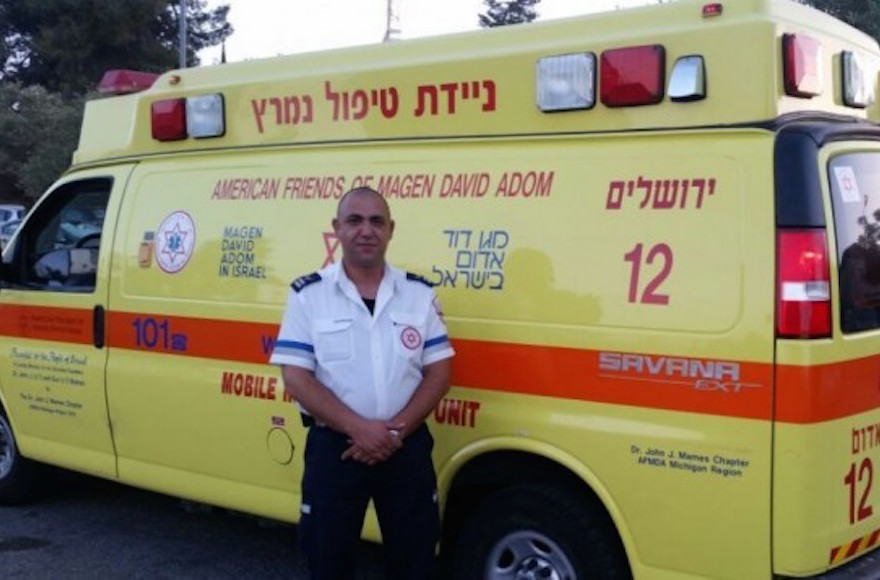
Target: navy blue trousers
[[335, 498]]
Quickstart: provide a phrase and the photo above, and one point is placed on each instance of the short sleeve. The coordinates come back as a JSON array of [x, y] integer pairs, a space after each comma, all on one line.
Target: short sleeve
[[294, 343], [437, 346]]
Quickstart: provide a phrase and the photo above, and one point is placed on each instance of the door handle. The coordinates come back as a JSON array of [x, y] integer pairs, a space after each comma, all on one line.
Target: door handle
[[98, 326]]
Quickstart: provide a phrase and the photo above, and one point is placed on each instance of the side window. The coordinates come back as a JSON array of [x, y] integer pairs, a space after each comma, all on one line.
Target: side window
[[57, 249]]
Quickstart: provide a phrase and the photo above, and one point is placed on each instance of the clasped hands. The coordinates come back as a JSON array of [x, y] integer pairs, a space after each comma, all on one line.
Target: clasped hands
[[374, 441]]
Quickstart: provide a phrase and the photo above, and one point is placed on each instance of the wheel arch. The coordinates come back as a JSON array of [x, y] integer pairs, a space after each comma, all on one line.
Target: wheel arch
[[490, 465]]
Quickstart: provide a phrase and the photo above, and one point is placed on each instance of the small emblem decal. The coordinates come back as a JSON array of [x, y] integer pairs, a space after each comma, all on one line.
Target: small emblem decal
[[411, 338], [175, 240]]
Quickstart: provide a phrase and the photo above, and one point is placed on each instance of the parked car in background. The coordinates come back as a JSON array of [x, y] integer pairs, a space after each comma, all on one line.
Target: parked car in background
[[7, 230], [9, 212]]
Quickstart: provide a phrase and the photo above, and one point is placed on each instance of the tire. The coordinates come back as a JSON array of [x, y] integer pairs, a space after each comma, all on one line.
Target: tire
[[18, 479], [538, 532]]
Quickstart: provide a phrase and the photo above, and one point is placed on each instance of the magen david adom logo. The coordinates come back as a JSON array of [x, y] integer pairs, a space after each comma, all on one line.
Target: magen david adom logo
[[175, 241]]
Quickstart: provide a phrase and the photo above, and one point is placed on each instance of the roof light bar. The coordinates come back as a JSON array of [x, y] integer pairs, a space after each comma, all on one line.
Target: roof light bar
[[124, 82], [566, 82]]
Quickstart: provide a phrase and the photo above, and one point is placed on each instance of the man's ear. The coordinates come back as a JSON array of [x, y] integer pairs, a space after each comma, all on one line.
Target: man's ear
[[335, 223], [391, 230]]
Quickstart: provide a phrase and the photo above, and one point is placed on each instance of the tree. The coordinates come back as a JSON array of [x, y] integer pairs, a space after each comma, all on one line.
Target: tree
[[862, 14], [501, 13], [39, 132], [66, 45]]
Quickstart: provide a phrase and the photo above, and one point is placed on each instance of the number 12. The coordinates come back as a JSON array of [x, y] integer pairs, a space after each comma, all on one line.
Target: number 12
[[650, 294]]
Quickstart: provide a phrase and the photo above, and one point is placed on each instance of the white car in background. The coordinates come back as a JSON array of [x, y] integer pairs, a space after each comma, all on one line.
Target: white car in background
[[7, 230], [9, 212]]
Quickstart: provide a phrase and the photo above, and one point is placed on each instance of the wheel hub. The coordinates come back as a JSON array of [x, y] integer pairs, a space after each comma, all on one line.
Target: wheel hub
[[536, 568], [528, 555]]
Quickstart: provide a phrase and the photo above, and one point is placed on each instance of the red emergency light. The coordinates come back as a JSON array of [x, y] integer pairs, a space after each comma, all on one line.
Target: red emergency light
[[124, 82], [714, 9], [802, 65], [632, 76], [168, 119]]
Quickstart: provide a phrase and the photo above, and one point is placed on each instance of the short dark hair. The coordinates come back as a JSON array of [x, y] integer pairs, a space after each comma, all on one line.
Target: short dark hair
[[362, 190]]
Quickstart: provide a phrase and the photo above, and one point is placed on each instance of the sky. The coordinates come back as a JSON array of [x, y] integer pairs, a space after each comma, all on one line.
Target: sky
[[265, 28]]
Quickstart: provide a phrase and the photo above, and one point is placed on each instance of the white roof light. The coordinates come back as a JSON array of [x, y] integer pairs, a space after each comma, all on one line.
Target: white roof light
[[566, 82], [205, 116], [688, 79], [858, 81]]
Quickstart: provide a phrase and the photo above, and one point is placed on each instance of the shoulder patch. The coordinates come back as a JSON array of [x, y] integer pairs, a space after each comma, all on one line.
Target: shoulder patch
[[304, 281], [417, 278]]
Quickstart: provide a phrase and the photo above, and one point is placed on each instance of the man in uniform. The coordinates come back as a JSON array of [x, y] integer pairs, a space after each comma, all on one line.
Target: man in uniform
[[365, 352]]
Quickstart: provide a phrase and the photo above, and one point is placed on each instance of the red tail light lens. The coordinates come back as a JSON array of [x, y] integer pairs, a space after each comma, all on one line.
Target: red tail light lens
[[632, 76], [168, 119], [803, 290]]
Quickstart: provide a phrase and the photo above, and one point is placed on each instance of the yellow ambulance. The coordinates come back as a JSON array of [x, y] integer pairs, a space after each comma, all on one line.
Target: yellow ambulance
[[655, 234]]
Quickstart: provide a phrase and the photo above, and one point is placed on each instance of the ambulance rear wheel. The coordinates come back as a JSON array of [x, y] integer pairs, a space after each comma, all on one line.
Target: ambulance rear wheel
[[538, 532], [17, 474]]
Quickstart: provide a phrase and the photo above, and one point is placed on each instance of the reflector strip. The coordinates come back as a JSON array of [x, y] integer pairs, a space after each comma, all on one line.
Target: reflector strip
[[842, 553], [805, 394]]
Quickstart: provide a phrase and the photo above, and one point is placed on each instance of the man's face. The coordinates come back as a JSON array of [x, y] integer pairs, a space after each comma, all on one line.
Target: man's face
[[364, 229]]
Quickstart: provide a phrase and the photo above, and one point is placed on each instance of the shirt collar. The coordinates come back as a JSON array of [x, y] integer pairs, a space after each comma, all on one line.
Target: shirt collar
[[392, 281]]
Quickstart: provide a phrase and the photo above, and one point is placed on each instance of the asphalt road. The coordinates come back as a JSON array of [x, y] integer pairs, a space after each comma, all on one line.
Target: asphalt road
[[90, 528]]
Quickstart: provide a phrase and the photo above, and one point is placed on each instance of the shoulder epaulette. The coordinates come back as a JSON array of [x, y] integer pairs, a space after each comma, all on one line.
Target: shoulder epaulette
[[304, 281], [417, 278]]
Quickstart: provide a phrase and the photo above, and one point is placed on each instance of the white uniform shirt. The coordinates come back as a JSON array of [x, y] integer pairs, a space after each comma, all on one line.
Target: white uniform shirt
[[371, 362]]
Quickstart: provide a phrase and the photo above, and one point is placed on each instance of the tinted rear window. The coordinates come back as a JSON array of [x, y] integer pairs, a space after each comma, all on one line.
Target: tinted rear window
[[855, 194]]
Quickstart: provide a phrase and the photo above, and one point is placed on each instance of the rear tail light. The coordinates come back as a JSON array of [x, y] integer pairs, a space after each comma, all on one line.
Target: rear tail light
[[803, 291], [802, 65], [632, 76]]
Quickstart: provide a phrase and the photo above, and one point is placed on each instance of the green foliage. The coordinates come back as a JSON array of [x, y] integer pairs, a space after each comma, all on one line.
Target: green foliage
[[501, 13], [39, 134], [66, 45], [53, 52], [862, 14]]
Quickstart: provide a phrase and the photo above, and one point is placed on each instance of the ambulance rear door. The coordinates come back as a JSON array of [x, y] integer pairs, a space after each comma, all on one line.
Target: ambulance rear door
[[826, 497], [52, 308]]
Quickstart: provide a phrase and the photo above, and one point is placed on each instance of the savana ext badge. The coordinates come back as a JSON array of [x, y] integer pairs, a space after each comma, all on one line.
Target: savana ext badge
[[175, 241]]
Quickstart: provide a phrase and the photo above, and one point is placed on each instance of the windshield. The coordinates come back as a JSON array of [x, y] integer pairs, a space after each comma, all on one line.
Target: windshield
[[855, 194]]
